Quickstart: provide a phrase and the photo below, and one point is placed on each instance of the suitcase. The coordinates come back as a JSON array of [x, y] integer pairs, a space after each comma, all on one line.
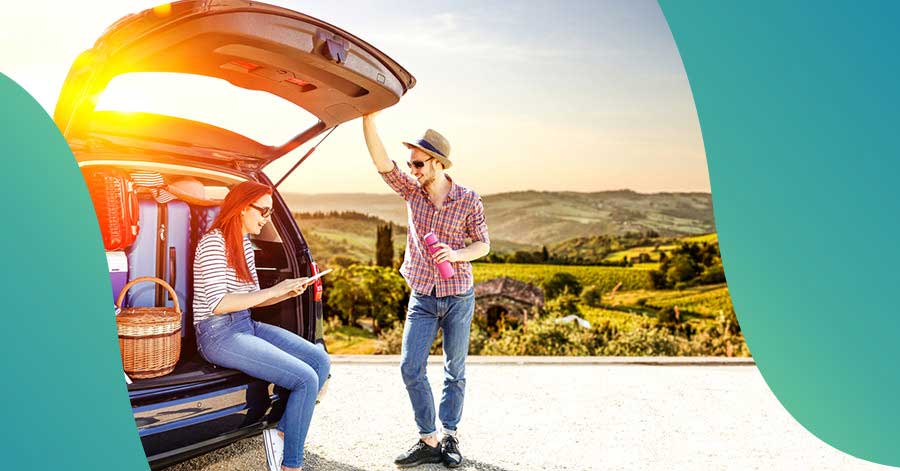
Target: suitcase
[[115, 203], [161, 250]]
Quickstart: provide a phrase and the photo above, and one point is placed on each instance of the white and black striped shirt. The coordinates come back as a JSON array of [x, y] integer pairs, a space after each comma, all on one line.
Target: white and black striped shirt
[[213, 278]]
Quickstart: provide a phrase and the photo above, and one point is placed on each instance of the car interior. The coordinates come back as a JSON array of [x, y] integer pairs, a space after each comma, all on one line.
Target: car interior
[[169, 230]]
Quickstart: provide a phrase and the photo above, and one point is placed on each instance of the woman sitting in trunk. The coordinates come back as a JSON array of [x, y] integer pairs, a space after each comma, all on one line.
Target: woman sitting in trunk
[[225, 288]]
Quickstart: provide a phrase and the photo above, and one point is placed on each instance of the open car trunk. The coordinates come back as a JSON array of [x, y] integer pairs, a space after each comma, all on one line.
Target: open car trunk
[[192, 368], [169, 230], [323, 69]]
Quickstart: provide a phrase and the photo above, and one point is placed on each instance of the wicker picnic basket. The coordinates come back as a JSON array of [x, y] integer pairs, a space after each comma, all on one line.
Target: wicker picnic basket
[[149, 337]]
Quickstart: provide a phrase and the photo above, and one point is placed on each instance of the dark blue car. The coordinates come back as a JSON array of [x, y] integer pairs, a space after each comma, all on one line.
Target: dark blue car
[[331, 74]]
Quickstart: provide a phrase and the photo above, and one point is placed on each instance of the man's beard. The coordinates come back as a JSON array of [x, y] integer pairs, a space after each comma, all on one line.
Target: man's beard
[[427, 182]]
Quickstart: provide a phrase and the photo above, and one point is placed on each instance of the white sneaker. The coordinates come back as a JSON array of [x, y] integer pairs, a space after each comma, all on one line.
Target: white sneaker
[[274, 448]]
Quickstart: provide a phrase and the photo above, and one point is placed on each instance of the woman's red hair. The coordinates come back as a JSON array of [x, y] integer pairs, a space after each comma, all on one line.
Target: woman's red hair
[[229, 222]]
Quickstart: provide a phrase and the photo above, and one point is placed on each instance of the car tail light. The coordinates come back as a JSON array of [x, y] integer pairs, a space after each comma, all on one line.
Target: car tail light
[[317, 294]]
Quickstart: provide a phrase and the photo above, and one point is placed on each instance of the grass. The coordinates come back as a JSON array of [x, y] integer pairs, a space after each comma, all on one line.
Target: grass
[[349, 340]]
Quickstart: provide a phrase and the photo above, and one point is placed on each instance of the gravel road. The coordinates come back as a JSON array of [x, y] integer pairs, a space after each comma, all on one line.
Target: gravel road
[[578, 416]]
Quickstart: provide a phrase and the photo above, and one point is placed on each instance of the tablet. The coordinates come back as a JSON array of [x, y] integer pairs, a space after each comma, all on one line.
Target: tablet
[[320, 275]]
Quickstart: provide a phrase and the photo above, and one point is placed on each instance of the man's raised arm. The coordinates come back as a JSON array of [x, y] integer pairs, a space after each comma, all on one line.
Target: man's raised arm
[[376, 148]]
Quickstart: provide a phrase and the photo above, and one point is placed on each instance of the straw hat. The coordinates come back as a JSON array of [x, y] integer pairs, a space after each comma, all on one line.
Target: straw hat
[[191, 190], [433, 144]]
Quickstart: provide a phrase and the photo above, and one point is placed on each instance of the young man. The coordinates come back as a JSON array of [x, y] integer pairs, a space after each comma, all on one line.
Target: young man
[[435, 203]]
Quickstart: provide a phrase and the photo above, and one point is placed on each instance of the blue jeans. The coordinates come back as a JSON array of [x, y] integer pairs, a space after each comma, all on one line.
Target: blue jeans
[[275, 355], [453, 314]]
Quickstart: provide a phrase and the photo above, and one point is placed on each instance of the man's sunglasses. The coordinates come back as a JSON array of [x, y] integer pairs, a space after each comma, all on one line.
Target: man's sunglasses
[[264, 212], [417, 163]]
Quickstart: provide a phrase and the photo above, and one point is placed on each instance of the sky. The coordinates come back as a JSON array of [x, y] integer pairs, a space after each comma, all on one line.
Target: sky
[[548, 96]]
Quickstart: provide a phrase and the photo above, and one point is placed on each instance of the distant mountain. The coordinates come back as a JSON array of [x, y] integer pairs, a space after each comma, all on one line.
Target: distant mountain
[[535, 218], [332, 235]]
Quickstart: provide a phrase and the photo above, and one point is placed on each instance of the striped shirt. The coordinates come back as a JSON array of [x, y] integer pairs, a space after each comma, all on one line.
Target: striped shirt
[[213, 278], [460, 218]]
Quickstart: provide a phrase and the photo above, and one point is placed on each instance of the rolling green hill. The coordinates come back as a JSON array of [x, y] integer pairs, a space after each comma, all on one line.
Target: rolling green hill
[[330, 236], [529, 219]]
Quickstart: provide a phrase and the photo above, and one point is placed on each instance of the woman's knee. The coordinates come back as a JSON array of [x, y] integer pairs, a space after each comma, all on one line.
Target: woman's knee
[[302, 376]]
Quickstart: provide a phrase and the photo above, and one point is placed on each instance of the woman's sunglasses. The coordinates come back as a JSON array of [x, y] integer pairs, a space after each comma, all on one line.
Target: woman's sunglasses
[[417, 163], [264, 212]]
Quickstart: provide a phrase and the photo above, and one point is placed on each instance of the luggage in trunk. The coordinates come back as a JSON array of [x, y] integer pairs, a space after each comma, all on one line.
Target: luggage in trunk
[[161, 250], [115, 204]]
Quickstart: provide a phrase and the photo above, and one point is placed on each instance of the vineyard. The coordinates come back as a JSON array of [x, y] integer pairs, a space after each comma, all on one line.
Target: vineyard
[[605, 278], [707, 301]]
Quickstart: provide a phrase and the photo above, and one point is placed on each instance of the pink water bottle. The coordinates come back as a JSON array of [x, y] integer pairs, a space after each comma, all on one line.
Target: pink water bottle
[[444, 268]]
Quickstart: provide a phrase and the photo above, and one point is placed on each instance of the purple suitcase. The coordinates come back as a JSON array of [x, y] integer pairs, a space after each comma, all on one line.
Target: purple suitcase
[[161, 250]]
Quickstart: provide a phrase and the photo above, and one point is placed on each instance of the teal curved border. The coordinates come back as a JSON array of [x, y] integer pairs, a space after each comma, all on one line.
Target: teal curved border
[[65, 404], [798, 103]]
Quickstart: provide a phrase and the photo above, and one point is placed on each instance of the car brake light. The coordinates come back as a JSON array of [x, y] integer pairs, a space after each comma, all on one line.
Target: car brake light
[[317, 294]]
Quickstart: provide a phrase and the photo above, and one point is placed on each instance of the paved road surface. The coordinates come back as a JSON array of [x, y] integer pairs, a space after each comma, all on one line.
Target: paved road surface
[[561, 417]]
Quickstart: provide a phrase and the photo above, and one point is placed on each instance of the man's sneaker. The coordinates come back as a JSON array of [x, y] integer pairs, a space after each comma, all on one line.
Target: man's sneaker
[[450, 452], [274, 448], [420, 453]]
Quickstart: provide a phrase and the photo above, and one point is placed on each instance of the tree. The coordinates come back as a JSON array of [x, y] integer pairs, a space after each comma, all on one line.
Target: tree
[[384, 246], [592, 296], [367, 291], [545, 254], [560, 283], [681, 269]]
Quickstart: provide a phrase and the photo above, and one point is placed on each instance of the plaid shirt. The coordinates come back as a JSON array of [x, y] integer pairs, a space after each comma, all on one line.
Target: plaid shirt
[[461, 218]]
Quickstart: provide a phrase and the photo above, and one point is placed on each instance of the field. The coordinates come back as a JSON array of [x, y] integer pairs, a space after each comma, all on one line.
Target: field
[[622, 320], [708, 301], [604, 278], [653, 251]]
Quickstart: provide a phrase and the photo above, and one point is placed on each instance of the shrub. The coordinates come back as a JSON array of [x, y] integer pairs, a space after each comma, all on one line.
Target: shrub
[[559, 283], [344, 261], [722, 339], [563, 305], [713, 274], [667, 315], [592, 296], [547, 337], [646, 341], [390, 340]]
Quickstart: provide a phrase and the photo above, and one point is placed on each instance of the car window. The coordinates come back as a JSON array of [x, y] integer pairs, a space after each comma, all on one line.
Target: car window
[[261, 116]]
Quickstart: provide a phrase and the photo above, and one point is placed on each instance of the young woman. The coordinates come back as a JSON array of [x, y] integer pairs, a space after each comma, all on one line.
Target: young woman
[[226, 287]]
